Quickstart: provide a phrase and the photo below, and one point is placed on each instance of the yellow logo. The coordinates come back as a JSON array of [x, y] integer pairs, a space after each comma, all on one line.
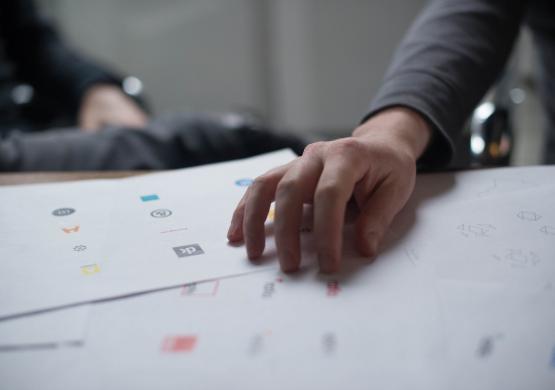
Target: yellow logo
[[90, 269]]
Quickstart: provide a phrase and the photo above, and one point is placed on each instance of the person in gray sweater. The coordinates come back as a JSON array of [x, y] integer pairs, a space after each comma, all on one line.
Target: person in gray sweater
[[453, 53]]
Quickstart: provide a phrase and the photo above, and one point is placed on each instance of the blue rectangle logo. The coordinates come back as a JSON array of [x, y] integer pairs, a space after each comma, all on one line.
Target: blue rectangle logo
[[148, 198]]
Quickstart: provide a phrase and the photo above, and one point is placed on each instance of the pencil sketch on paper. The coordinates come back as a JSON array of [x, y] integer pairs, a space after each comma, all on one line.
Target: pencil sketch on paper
[[519, 258], [529, 216], [505, 185], [548, 229], [412, 255], [476, 230]]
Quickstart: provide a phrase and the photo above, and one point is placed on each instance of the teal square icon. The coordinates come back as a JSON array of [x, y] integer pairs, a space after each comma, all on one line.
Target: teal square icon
[[148, 198]]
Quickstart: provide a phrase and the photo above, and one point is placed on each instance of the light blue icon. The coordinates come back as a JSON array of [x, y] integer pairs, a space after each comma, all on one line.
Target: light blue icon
[[243, 182], [148, 198]]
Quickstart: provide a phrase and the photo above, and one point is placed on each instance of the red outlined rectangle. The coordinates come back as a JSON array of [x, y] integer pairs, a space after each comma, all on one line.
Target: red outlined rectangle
[[202, 290]]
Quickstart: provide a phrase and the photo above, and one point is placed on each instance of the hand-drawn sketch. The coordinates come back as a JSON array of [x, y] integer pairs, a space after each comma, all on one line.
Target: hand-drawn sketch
[[505, 185], [476, 230], [548, 229], [412, 255], [519, 258], [529, 216]]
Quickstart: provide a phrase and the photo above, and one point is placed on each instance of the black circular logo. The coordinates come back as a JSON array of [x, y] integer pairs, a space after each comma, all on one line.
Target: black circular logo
[[62, 212], [161, 213]]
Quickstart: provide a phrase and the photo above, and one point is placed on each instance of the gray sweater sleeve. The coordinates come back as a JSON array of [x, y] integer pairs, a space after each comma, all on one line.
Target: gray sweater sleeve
[[449, 58]]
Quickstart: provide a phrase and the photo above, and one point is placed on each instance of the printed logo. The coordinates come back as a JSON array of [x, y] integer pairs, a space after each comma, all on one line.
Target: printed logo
[[161, 213], [333, 288], [149, 198], [62, 212], [79, 248], [204, 289], [243, 182], [188, 250], [173, 344], [74, 229], [90, 269], [174, 230], [271, 214]]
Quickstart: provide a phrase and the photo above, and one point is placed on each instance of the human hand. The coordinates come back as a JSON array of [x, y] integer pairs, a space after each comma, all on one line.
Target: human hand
[[376, 167], [105, 104]]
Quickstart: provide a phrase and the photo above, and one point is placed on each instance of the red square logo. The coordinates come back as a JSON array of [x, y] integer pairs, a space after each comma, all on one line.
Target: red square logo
[[174, 344]]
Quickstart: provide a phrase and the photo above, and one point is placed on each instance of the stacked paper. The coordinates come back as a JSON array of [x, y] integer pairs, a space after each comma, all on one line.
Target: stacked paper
[[146, 292]]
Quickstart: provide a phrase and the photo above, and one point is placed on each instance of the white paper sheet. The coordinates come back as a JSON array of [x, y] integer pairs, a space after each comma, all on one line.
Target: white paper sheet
[[499, 337], [74, 242], [48, 330], [264, 330], [505, 240], [433, 312]]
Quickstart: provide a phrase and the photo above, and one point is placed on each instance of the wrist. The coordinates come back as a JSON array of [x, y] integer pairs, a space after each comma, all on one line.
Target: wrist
[[405, 127]]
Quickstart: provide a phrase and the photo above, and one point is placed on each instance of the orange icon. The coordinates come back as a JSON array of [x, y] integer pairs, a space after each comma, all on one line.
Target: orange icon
[[74, 229]]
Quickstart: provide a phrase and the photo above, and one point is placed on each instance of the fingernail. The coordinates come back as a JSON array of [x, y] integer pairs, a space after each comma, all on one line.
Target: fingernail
[[288, 261], [254, 255]]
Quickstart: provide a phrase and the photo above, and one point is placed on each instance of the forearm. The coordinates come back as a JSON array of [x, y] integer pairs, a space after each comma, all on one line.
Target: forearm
[[449, 58]]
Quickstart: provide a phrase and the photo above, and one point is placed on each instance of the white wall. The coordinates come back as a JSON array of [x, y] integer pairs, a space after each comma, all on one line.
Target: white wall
[[304, 64]]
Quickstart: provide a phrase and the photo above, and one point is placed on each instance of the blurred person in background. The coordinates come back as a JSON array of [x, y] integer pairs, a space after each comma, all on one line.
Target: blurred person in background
[[45, 86], [43, 83], [451, 56]]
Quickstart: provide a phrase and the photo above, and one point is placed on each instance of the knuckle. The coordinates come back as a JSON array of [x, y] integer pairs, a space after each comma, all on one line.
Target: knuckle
[[314, 147], [260, 182], [326, 192], [348, 146], [286, 188]]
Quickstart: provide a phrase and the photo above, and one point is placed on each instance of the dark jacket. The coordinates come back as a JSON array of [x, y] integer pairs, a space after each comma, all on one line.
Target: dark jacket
[[31, 52], [453, 54]]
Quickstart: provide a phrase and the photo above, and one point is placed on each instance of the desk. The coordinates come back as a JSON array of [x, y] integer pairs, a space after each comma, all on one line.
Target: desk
[[7, 179]]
